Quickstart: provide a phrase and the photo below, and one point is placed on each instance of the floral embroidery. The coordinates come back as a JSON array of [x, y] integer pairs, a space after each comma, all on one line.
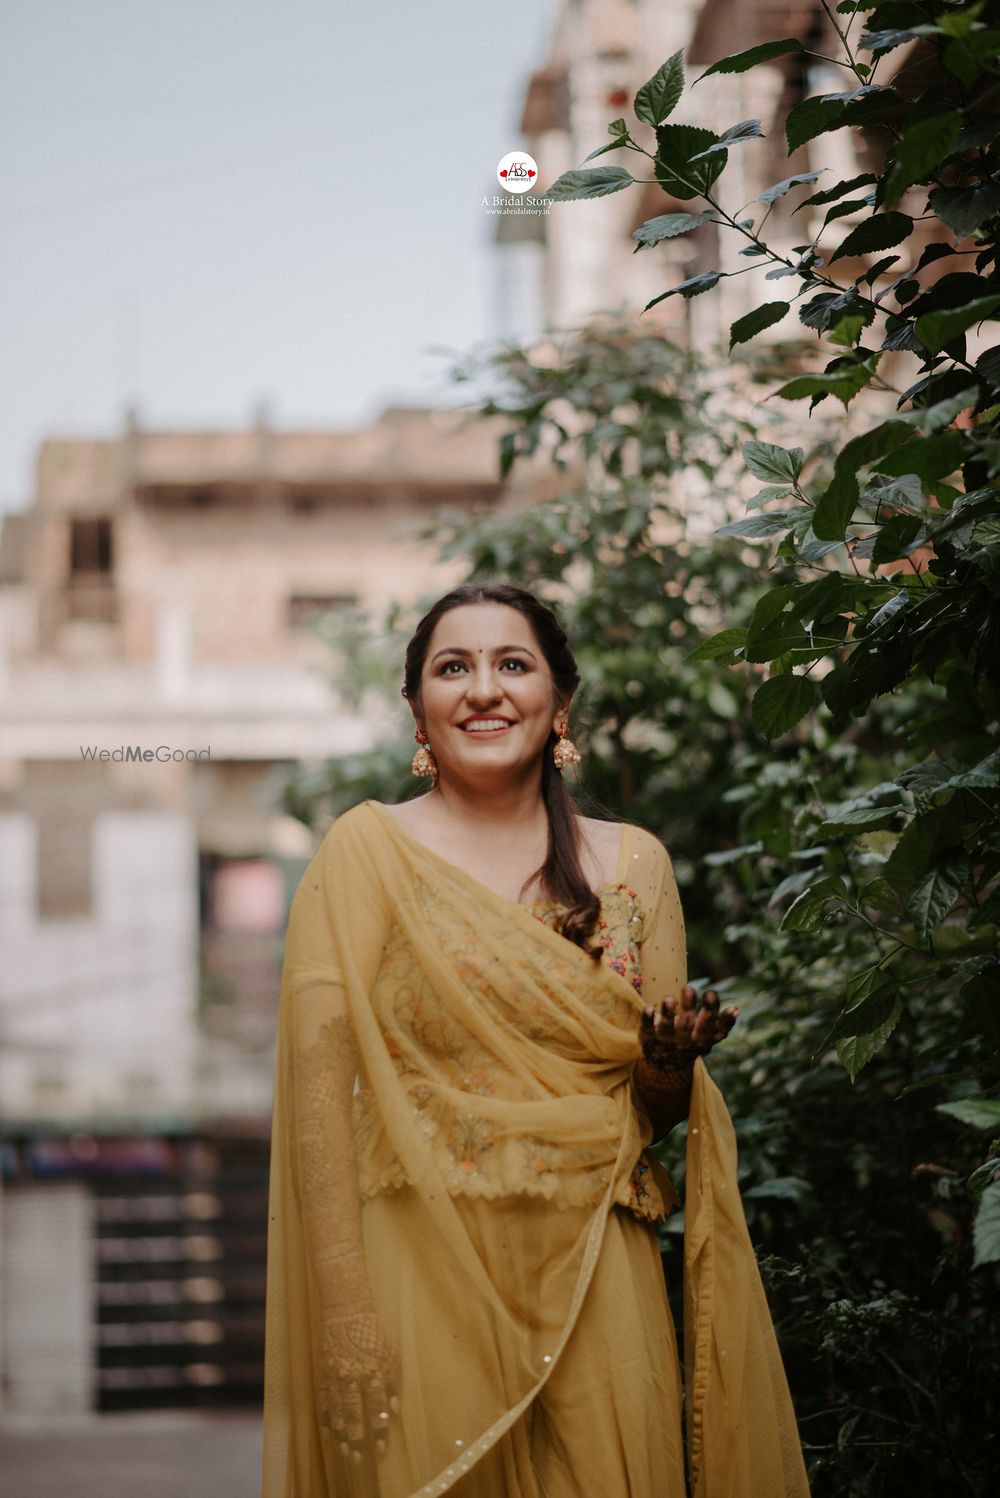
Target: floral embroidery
[[620, 914], [422, 1039]]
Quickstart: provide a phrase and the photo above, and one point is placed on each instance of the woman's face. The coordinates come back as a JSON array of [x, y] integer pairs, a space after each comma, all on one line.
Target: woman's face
[[486, 693]]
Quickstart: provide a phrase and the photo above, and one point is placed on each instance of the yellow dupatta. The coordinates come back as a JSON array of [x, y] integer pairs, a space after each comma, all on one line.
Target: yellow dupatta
[[494, 1063]]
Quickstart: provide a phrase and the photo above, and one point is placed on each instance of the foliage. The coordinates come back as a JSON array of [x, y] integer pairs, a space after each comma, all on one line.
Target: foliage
[[914, 859]]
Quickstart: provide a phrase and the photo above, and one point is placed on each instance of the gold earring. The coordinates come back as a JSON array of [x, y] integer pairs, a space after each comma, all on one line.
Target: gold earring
[[424, 764], [565, 752]]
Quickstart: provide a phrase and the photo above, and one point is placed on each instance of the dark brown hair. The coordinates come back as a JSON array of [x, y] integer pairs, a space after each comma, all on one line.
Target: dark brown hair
[[561, 875]]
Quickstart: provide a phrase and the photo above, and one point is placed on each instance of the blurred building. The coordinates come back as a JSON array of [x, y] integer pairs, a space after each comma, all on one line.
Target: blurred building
[[159, 680]]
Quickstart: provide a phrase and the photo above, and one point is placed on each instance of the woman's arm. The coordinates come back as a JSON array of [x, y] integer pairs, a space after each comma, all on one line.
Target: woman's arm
[[358, 1363], [673, 1032], [319, 1062]]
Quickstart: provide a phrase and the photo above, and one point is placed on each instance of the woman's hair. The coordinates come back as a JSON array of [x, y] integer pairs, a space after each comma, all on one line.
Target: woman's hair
[[561, 875]]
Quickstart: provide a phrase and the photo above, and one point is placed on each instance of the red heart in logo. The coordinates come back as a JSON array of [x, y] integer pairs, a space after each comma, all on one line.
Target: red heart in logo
[[504, 172], [530, 173]]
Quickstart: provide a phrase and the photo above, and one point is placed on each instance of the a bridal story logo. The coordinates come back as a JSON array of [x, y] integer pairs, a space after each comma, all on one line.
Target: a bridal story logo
[[517, 171]]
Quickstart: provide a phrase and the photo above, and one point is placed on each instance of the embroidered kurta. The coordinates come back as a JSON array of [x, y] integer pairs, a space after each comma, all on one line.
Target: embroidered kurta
[[488, 1152]]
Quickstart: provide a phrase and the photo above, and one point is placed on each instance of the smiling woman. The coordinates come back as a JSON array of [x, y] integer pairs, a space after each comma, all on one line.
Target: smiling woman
[[485, 1021]]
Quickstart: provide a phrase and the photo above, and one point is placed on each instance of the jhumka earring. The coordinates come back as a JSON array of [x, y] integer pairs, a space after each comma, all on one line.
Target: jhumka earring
[[424, 763], [565, 753]]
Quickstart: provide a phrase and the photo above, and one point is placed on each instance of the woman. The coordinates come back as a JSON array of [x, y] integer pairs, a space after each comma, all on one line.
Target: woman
[[465, 1293]]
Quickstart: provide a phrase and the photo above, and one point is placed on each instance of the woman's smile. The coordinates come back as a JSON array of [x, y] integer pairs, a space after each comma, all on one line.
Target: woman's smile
[[487, 727]]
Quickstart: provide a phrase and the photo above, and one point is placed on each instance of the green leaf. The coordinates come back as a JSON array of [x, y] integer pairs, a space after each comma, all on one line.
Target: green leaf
[[986, 1231], [880, 894], [668, 226], [896, 538], [836, 505], [870, 446], [905, 492], [969, 58], [756, 526], [745, 130], [930, 419], [693, 286], [983, 1175], [739, 62], [933, 458], [887, 40], [841, 210], [978, 1112], [923, 147], [726, 642], [877, 233], [507, 452], [772, 194], [764, 496], [773, 464], [780, 702], [764, 316], [850, 327], [930, 900], [839, 190], [981, 998], [855, 1051], [768, 607], [779, 1188], [821, 309], [983, 776], [673, 167], [936, 329], [809, 119], [861, 819], [965, 209], [806, 913], [917, 844], [594, 182], [844, 382], [617, 144], [882, 616], [658, 97], [783, 634]]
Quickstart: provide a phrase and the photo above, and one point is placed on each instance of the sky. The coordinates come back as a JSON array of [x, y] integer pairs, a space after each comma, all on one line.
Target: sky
[[207, 206]]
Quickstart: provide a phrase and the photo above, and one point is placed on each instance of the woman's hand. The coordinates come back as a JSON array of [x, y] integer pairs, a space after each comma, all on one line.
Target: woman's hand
[[674, 1033], [358, 1392]]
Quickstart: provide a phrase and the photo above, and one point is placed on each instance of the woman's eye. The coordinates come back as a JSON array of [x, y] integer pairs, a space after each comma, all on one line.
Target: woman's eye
[[510, 661]]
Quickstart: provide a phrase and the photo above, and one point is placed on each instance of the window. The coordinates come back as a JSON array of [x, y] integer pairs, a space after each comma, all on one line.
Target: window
[[90, 546], [305, 608]]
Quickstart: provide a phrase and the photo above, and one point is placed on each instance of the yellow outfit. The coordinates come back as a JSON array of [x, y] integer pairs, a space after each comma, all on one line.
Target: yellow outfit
[[482, 1195]]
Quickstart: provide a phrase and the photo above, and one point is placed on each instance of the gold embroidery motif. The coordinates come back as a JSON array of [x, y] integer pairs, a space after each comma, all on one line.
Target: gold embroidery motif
[[471, 1156]]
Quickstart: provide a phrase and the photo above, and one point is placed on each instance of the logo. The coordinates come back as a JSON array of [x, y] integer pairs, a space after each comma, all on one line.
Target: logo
[[517, 171]]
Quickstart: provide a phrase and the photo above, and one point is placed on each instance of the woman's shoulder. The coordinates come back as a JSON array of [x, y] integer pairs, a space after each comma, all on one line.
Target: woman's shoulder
[[638, 855], [617, 834], [352, 828]]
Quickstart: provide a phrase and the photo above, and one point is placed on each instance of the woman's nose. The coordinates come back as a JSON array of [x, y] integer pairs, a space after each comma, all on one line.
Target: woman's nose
[[483, 685]]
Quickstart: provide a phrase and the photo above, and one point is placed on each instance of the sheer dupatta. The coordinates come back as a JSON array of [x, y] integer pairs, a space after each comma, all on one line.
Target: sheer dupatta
[[493, 1060]]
